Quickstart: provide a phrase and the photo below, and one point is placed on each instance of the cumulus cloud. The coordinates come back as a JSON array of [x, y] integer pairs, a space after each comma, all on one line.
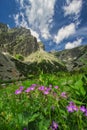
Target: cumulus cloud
[[64, 33], [71, 45], [73, 7], [36, 14], [16, 18], [35, 34]]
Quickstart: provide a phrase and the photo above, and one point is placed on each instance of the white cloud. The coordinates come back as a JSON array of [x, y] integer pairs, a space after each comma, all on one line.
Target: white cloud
[[16, 18], [64, 33], [73, 7], [35, 34], [71, 45], [37, 14]]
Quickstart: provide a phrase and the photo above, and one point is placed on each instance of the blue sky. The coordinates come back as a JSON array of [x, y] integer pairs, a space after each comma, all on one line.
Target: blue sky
[[59, 24]]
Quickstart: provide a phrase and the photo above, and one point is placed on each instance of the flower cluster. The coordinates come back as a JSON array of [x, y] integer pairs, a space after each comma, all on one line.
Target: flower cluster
[[31, 88], [43, 89], [72, 107]]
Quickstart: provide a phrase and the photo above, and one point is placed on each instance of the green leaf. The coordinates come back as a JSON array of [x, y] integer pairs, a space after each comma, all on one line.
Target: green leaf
[[33, 117], [77, 102], [80, 88]]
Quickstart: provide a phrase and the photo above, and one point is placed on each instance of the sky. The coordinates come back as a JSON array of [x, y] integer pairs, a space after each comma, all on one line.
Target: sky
[[58, 24]]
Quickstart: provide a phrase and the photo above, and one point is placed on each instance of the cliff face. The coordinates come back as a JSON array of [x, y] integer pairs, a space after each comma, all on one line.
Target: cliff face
[[75, 59], [8, 69], [17, 41]]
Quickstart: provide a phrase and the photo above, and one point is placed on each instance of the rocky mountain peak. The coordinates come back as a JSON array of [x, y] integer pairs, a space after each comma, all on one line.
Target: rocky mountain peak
[[18, 41]]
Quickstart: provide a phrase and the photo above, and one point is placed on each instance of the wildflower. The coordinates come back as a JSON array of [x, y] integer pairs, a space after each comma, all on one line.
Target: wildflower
[[32, 88], [41, 88], [47, 89], [82, 108], [21, 88], [46, 92], [63, 94], [86, 112], [54, 126], [75, 108], [72, 107], [34, 85], [56, 87], [18, 91], [28, 90]]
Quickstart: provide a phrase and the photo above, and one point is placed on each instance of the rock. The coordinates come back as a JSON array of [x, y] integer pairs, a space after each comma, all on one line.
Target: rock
[[18, 41], [75, 59], [8, 69]]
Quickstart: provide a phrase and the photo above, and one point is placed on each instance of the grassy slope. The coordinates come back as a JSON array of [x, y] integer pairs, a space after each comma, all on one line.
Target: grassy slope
[[33, 110]]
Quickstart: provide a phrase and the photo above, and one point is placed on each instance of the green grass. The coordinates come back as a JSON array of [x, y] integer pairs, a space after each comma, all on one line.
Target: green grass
[[38, 109]]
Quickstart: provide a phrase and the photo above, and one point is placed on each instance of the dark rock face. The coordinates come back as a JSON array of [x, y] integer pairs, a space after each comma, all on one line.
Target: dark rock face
[[17, 41], [7, 68], [75, 59], [12, 69], [3, 27]]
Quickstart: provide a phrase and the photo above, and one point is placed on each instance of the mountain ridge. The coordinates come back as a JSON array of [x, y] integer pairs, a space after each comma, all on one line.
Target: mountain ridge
[[26, 56]]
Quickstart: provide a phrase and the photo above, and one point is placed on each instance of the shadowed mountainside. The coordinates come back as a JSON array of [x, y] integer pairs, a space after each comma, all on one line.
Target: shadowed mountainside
[[75, 59]]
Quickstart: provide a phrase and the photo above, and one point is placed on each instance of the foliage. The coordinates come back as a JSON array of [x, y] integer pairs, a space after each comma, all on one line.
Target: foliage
[[19, 57], [47, 102]]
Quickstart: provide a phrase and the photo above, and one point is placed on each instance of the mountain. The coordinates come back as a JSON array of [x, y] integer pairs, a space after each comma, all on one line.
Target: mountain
[[18, 41], [21, 55], [20, 52], [44, 61], [75, 59]]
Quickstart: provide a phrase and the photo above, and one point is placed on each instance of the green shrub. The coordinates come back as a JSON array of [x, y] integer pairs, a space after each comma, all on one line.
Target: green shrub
[[19, 57]]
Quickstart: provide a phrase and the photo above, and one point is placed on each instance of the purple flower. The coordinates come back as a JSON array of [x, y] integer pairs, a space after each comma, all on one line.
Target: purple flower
[[63, 94], [82, 108], [28, 90], [72, 107], [41, 88], [32, 88], [18, 91], [34, 85], [54, 125], [47, 89], [21, 88], [46, 92], [86, 112], [75, 108], [56, 87]]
